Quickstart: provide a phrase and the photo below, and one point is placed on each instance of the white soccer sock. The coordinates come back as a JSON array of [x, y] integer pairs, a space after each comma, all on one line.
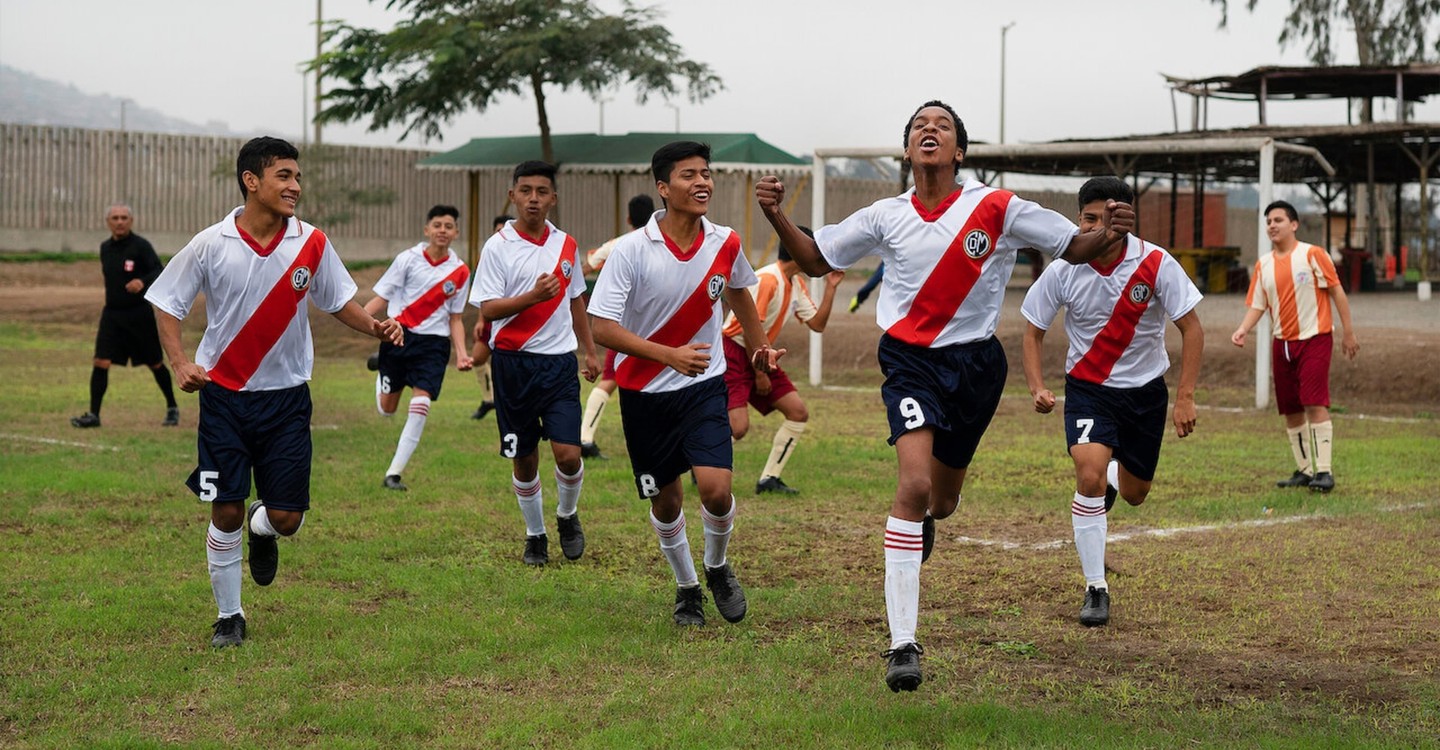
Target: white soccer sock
[[1112, 474], [594, 407], [1300, 448], [380, 391], [567, 490], [1087, 516], [782, 448], [260, 523], [903, 547], [676, 548], [410, 436], [532, 505], [222, 552], [1323, 434], [717, 534]]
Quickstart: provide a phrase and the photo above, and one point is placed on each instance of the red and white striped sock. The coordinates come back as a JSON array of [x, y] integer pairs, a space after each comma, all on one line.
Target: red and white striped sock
[[222, 552], [903, 547], [410, 436], [676, 548], [532, 505], [717, 534], [1087, 516], [567, 491]]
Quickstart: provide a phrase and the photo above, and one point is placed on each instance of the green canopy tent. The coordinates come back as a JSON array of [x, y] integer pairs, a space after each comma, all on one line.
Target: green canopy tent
[[611, 154]]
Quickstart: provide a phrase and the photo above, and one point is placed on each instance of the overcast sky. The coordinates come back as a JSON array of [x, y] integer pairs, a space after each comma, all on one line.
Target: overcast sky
[[801, 73]]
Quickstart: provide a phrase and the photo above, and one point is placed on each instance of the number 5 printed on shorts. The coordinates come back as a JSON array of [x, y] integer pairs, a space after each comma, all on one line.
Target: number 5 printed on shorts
[[208, 490]]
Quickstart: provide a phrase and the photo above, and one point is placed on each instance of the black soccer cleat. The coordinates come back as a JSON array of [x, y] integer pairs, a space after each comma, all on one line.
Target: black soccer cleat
[[264, 550], [392, 482], [537, 550], [591, 450], [572, 537], [927, 539], [1096, 610], [485, 408], [689, 606], [775, 485], [88, 419], [729, 597], [903, 672], [172, 417], [1323, 482], [229, 631], [372, 363], [1298, 479]]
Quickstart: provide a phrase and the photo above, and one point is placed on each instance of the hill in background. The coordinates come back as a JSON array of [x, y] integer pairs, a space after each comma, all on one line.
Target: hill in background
[[28, 99]]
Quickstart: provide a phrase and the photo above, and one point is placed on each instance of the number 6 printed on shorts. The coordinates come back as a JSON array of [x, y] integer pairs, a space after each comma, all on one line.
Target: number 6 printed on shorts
[[911, 411]]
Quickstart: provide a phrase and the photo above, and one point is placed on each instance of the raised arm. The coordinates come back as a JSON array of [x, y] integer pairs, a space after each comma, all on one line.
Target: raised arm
[[1087, 246], [770, 193], [1192, 343], [1032, 346], [827, 302]]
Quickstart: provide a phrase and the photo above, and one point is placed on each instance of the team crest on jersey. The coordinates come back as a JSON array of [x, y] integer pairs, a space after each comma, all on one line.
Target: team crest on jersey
[[449, 288], [715, 287], [1302, 278], [977, 244], [300, 279], [1140, 293], [566, 268]]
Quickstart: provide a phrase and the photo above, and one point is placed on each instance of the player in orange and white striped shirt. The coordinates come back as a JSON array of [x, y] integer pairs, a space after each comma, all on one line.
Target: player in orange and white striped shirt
[[1296, 282], [781, 284]]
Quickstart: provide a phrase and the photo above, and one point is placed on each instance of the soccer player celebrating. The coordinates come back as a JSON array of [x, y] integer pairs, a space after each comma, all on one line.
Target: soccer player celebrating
[[1116, 307], [657, 303], [528, 287], [256, 268], [1296, 283], [774, 297], [948, 252], [424, 291]]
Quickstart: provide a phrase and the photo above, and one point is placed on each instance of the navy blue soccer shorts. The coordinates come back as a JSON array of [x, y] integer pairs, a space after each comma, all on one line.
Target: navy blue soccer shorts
[[1129, 420], [264, 432], [667, 433], [954, 390], [536, 396], [420, 363]]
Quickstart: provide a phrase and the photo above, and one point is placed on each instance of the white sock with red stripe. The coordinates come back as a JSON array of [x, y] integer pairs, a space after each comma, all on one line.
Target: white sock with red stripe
[[1087, 515], [410, 436], [717, 534], [532, 505], [903, 547], [567, 490], [676, 548], [222, 552]]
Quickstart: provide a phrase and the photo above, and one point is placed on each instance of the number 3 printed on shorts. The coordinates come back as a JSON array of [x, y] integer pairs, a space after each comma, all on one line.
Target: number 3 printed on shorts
[[910, 410], [510, 445], [1084, 426]]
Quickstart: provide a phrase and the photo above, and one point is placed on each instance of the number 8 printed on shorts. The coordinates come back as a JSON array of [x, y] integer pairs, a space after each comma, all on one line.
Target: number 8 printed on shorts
[[911, 411]]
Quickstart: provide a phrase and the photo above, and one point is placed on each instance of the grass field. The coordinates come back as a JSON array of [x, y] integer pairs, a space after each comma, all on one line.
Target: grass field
[[407, 620]]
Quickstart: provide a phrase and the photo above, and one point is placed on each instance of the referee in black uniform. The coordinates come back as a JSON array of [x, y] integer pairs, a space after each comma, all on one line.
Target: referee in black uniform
[[127, 332]]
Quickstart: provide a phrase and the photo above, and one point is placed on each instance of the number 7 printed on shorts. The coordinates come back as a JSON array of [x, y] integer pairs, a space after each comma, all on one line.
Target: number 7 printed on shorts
[[1084, 425]]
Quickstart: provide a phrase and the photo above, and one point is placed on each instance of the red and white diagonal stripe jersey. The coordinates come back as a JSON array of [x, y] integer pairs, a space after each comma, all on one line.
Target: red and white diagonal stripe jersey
[[945, 270], [671, 295], [1295, 289], [421, 293], [1114, 317], [509, 265], [257, 332]]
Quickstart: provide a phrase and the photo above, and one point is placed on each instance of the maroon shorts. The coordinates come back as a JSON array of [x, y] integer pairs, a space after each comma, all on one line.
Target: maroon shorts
[[609, 373], [1302, 373], [740, 381]]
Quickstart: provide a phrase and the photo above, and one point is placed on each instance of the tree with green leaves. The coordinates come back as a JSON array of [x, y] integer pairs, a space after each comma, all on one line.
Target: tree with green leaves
[[453, 55], [1387, 32]]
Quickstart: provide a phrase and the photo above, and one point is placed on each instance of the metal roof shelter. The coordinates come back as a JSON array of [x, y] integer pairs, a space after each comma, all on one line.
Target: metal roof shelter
[[608, 154], [1410, 83]]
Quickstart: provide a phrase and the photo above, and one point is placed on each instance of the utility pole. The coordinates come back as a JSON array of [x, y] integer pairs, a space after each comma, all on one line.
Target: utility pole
[[319, 74], [1000, 181]]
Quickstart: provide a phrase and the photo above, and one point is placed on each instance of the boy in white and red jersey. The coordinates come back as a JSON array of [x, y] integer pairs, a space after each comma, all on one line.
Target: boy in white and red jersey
[[781, 289], [948, 253], [638, 213], [529, 287], [256, 268], [1116, 307], [424, 290], [1296, 282], [657, 304]]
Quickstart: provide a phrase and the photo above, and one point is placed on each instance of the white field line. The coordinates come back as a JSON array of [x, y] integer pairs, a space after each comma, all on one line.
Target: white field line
[[1178, 530], [53, 441]]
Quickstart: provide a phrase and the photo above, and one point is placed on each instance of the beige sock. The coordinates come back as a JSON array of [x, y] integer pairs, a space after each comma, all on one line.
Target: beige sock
[[782, 448], [594, 407], [1300, 448], [1323, 434]]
